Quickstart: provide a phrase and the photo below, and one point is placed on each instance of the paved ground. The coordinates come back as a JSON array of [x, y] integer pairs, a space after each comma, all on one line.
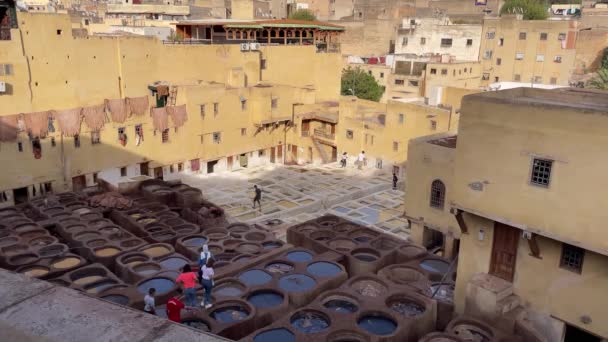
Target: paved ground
[[296, 194]]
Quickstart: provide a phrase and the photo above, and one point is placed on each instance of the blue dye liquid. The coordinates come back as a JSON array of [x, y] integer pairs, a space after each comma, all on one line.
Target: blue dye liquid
[[161, 285], [309, 322], [265, 299], [230, 314], [255, 277], [296, 283], [275, 335], [341, 306], [118, 299], [435, 266], [377, 325], [227, 291], [299, 256], [173, 264], [323, 269], [195, 242]]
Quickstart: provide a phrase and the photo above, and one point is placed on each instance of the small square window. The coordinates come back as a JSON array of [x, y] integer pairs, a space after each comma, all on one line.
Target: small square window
[[543, 36], [243, 131], [469, 42], [216, 108], [381, 75], [401, 118], [20, 146], [263, 64], [53, 142], [485, 76], [572, 258], [243, 104], [561, 36], [349, 134], [202, 111], [498, 61], [487, 54], [540, 58], [433, 71], [123, 172], [165, 136], [553, 80], [496, 79], [557, 59], [522, 35], [519, 56], [180, 167], [444, 71], [501, 42], [95, 138], [422, 41], [541, 172], [274, 103], [217, 137], [399, 82], [77, 141], [395, 146], [517, 77], [490, 35], [59, 32], [433, 125], [446, 42], [261, 153]]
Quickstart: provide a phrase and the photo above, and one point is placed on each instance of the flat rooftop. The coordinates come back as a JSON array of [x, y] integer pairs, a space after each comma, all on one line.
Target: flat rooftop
[[574, 98]]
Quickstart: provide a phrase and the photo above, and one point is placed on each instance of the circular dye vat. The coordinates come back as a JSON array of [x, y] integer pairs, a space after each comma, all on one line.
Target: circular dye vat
[[255, 236], [173, 264], [342, 244], [279, 268], [435, 265], [369, 288], [96, 243], [265, 299], [323, 269], [35, 271], [322, 235], [299, 256], [255, 277], [197, 324], [52, 250], [470, 332], [42, 241], [249, 248], [22, 259], [118, 299], [363, 236], [162, 285], [377, 324], [271, 245], [406, 307], [146, 269], [340, 305], [296, 283], [275, 335], [366, 257], [87, 280], [157, 251], [310, 322], [195, 242], [230, 314], [99, 286], [64, 263], [7, 241], [107, 252], [228, 289]]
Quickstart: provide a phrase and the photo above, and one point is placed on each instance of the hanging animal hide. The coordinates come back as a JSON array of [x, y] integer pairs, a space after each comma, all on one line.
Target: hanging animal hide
[[178, 114], [69, 121], [138, 105], [9, 127], [94, 117], [118, 110], [160, 121], [37, 124]]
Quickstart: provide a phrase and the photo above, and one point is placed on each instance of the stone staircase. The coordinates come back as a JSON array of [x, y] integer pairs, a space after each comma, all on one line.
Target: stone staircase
[[319, 147]]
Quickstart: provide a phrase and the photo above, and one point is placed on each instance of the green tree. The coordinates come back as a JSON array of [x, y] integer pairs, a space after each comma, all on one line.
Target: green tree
[[303, 14], [531, 9], [600, 81], [360, 84]]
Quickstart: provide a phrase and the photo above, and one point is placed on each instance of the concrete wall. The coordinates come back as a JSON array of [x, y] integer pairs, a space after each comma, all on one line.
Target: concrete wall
[[509, 28], [457, 75], [590, 46]]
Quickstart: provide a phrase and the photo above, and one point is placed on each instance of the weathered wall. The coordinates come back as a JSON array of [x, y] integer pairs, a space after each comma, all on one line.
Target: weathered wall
[[457, 75], [590, 46]]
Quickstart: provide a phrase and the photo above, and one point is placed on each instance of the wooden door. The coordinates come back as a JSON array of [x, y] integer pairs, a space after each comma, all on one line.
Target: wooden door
[[79, 183], [272, 153], [230, 163], [504, 251], [158, 172], [144, 169]]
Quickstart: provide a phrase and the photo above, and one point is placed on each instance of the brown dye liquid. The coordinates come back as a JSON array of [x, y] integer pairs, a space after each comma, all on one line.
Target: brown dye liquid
[[66, 263], [36, 272], [156, 251], [87, 280], [106, 252]]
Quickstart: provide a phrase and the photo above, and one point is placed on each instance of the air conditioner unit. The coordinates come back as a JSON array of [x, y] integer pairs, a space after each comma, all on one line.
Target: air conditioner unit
[[2, 87], [244, 46], [254, 46]]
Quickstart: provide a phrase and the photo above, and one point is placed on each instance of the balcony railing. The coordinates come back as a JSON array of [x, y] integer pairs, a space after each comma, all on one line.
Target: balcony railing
[[323, 134]]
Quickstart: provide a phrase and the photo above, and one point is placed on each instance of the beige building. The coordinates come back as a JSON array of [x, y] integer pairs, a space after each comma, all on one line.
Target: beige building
[[438, 35], [509, 187], [538, 51]]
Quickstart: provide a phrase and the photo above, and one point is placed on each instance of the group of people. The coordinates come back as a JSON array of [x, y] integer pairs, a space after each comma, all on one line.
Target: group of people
[[362, 161], [187, 282]]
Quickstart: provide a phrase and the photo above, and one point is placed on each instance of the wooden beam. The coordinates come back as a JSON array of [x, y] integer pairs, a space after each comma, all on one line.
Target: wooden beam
[[533, 244], [461, 223]]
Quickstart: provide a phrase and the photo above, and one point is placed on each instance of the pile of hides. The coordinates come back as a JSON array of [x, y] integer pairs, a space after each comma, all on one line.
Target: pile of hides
[[37, 124], [111, 200], [94, 117], [138, 105], [118, 110], [178, 115], [69, 121], [160, 121], [9, 127]]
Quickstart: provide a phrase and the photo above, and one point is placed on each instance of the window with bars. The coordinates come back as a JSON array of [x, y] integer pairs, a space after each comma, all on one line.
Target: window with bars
[[469, 42], [572, 258], [446, 42], [543, 36], [274, 103], [522, 35], [202, 111], [217, 137], [6, 69], [437, 194], [216, 108], [490, 35], [541, 172], [165, 136], [422, 41]]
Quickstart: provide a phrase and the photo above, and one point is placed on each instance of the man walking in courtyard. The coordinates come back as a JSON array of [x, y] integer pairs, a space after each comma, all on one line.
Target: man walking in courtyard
[[361, 160], [395, 180], [258, 197]]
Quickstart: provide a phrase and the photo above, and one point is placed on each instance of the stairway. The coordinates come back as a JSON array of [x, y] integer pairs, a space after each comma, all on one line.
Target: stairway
[[321, 150]]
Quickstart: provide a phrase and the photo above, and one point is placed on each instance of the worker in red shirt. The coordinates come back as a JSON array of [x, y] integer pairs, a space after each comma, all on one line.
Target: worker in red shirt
[[175, 306]]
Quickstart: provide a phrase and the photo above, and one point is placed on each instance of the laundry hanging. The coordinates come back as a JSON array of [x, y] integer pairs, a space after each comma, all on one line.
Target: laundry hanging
[[138, 105], [160, 120], [69, 121], [178, 114], [9, 127], [94, 117], [118, 110], [37, 124]]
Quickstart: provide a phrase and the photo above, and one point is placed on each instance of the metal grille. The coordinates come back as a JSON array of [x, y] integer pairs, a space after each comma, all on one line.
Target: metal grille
[[437, 194], [541, 172], [572, 258]]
